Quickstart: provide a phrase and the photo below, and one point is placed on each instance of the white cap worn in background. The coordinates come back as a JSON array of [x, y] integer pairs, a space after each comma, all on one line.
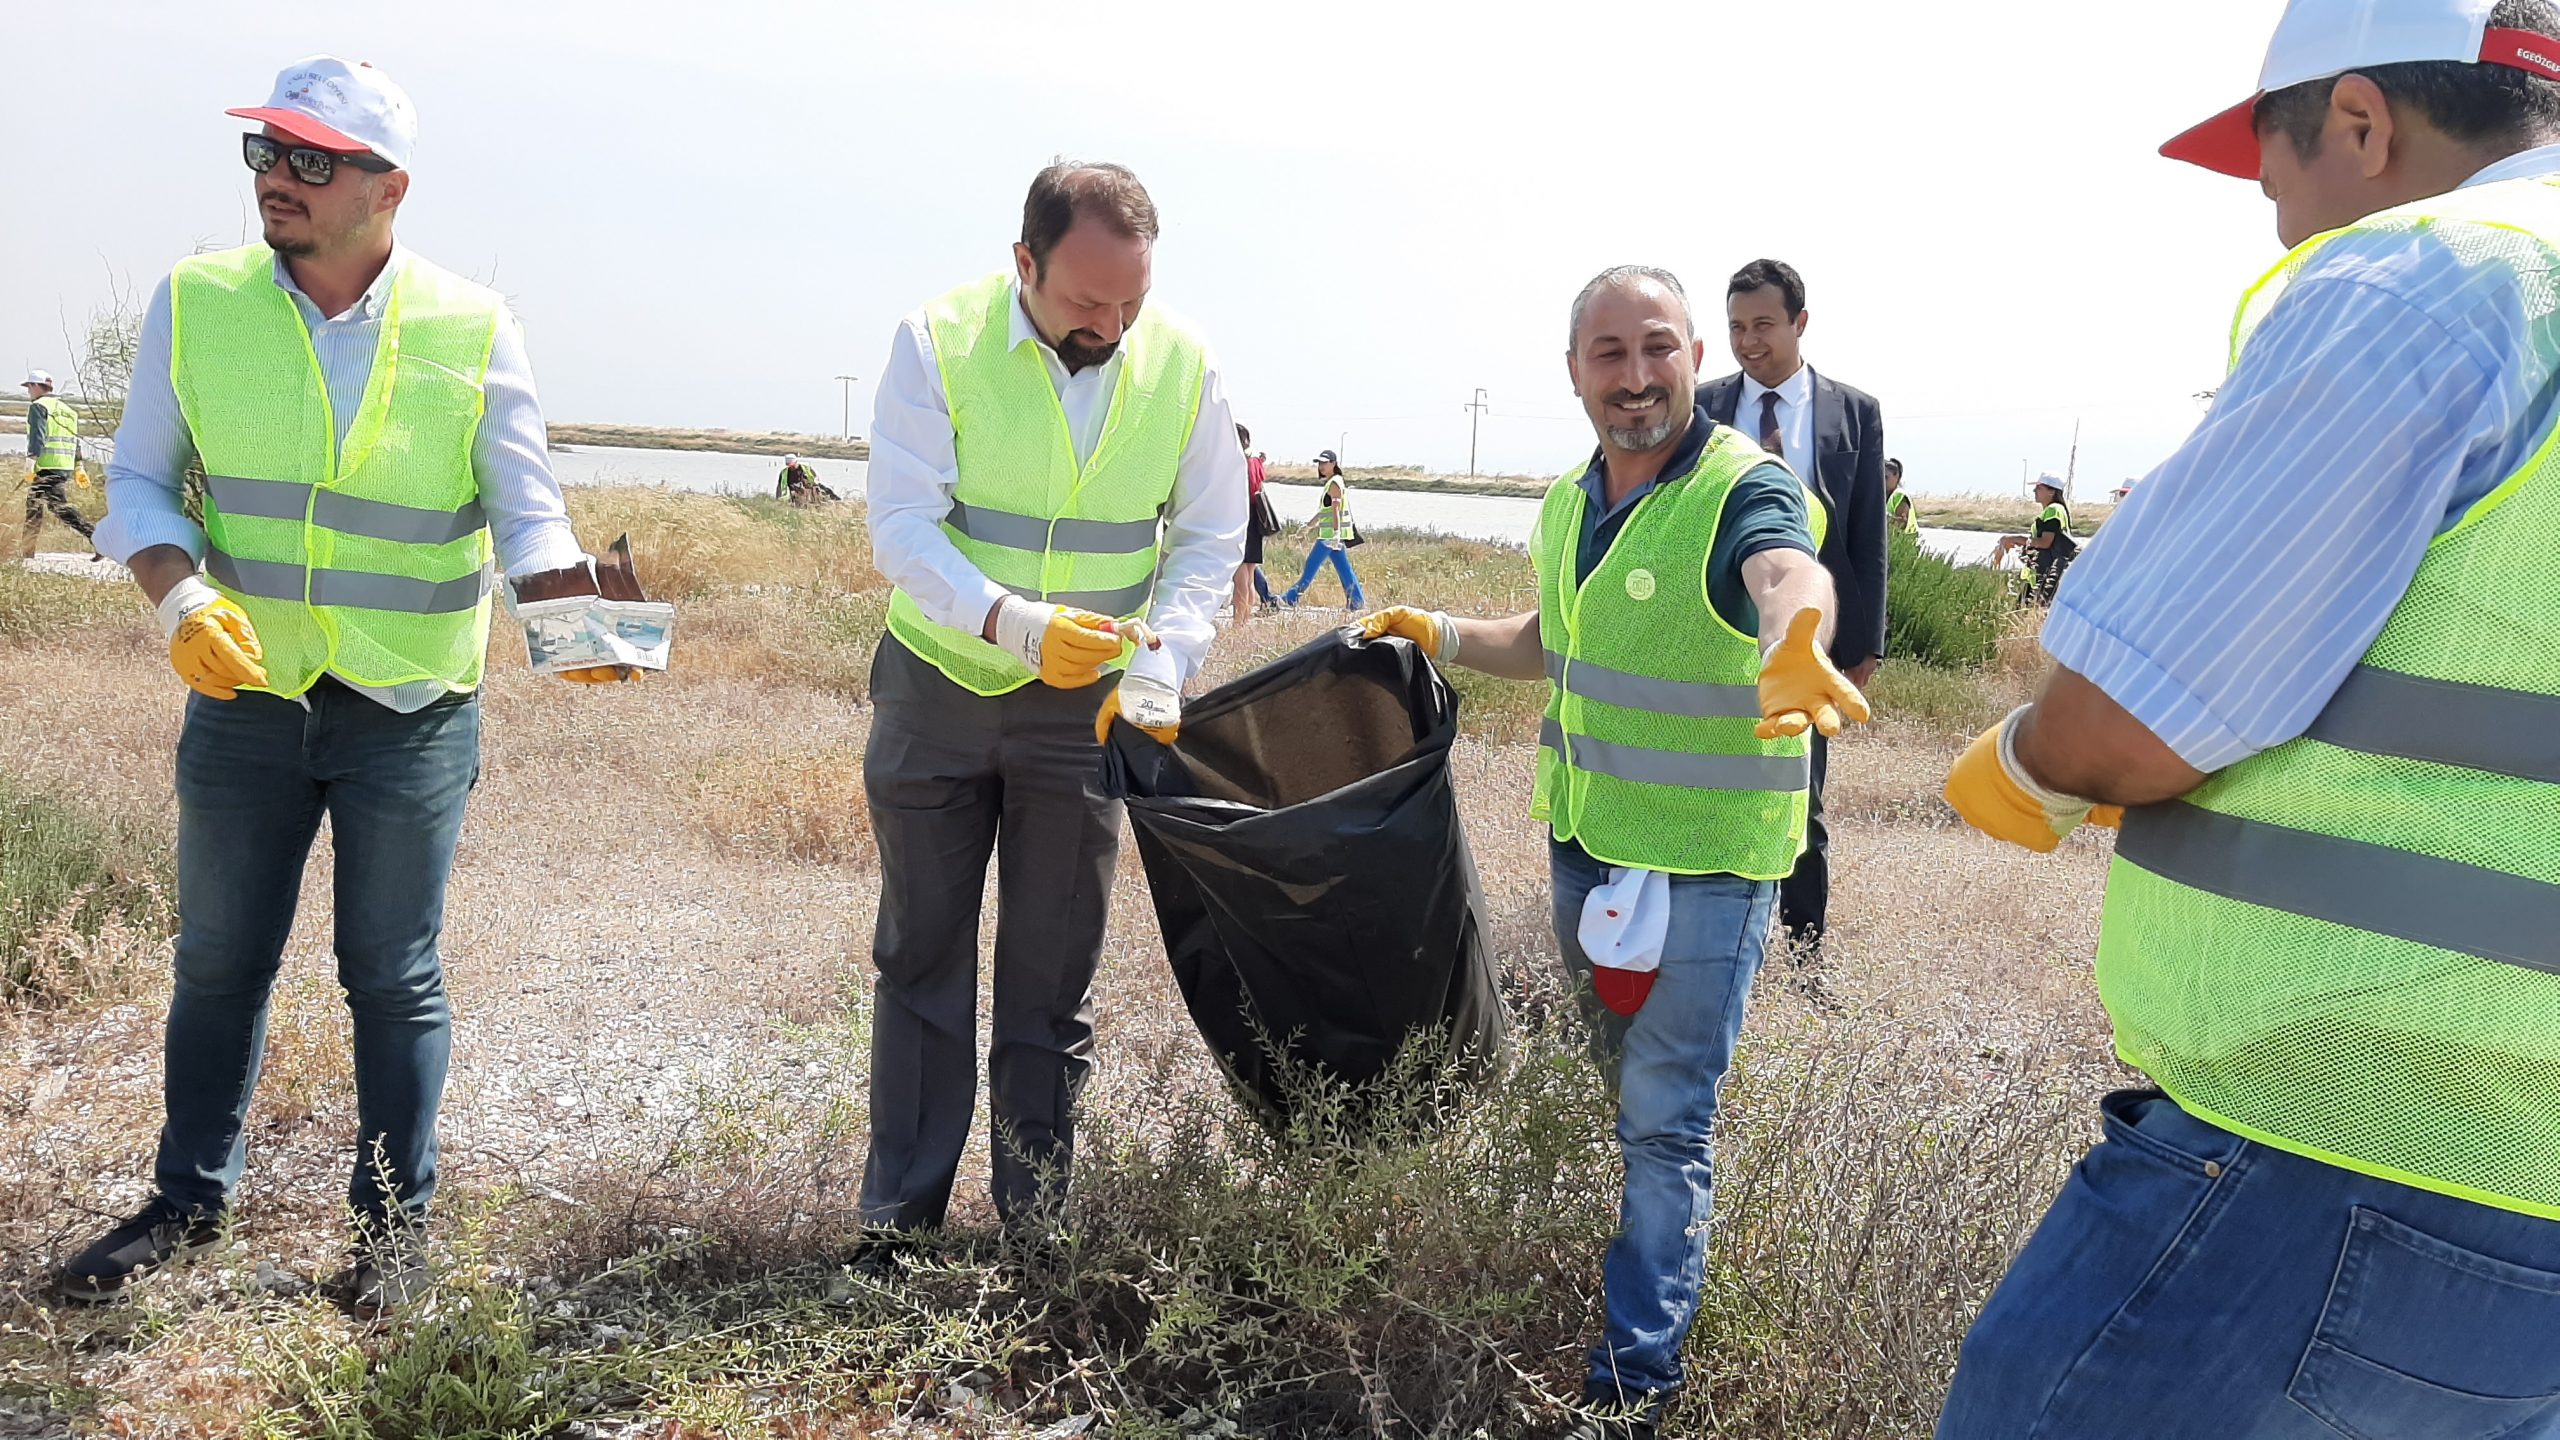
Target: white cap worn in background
[[326, 101], [39, 377]]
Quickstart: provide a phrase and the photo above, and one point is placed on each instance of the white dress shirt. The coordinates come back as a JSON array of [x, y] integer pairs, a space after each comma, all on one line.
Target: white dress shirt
[[1795, 416], [914, 466], [510, 458]]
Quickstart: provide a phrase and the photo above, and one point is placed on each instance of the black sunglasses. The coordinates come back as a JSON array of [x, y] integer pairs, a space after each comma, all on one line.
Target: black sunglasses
[[311, 165]]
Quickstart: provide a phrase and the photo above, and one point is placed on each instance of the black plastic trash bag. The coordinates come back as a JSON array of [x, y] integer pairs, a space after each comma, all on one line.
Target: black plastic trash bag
[[1315, 890]]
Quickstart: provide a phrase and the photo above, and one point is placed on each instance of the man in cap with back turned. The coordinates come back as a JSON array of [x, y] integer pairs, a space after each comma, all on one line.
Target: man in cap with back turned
[[2317, 657]]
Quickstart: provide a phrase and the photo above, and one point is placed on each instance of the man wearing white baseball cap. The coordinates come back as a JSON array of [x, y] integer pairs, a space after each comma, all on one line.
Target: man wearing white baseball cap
[[2332, 926], [371, 443], [53, 458]]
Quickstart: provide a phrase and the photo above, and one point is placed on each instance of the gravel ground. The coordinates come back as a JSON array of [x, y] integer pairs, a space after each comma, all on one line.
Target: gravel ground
[[659, 923]]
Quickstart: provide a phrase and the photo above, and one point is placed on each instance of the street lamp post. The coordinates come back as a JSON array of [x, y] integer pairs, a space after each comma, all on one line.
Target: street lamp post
[[848, 403]]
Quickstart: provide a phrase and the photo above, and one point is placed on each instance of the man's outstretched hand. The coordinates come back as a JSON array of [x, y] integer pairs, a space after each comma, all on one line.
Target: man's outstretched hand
[[1800, 689]]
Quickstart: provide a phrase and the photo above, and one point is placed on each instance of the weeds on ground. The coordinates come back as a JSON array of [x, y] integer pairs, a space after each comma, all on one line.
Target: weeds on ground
[[1955, 701], [75, 891], [803, 804], [36, 607], [1214, 1276]]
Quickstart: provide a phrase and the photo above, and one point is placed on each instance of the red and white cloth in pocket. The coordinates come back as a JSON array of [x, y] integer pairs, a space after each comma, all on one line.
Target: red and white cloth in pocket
[[1624, 924]]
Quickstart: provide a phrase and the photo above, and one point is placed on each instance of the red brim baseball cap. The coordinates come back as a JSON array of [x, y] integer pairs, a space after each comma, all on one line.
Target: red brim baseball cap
[[2318, 39], [1623, 991], [2226, 144], [303, 128]]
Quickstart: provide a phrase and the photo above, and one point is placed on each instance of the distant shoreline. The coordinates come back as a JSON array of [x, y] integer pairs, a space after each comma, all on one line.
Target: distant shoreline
[[776, 443]]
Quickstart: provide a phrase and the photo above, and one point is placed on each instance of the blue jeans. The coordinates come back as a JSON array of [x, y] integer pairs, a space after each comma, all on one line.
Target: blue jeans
[[1667, 1064], [2189, 1283], [1317, 555], [255, 775]]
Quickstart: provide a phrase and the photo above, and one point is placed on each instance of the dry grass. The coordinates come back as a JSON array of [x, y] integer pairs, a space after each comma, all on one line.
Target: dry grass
[[656, 951], [806, 806]]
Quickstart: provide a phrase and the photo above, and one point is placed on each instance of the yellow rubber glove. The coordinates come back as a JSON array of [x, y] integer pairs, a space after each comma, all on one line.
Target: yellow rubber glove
[[1111, 711], [1800, 689], [1996, 796], [215, 650], [1429, 629], [1065, 648]]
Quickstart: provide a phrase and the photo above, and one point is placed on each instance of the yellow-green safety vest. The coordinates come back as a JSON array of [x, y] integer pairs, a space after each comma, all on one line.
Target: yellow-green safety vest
[[1897, 508], [1646, 757], [2348, 947], [61, 450], [1333, 522], [371, 560], [1024, 512]]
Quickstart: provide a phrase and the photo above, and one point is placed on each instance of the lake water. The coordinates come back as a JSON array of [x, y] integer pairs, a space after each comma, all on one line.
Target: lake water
[[1476, 517], [712, 471]]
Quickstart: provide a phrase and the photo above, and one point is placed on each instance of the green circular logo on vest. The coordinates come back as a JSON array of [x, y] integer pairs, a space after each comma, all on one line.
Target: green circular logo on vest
[[1639, 584]]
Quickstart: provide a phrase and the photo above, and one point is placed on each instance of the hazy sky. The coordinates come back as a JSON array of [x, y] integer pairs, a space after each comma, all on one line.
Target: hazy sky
[[705, 212]]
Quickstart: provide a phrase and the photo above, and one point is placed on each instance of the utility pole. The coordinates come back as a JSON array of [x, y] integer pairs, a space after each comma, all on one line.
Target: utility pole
[[1341, 447], [1476, 409], [848, 403], [2072, 470]]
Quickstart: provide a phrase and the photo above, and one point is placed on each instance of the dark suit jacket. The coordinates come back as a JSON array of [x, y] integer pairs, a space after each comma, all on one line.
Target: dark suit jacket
[[1848, 476]]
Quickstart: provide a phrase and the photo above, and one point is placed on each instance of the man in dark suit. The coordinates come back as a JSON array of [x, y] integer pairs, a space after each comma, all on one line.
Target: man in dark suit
[[1832, 436]]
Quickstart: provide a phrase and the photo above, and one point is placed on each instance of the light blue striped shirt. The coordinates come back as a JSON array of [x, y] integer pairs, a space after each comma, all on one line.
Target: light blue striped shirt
[[510, 456], [2390, 388]]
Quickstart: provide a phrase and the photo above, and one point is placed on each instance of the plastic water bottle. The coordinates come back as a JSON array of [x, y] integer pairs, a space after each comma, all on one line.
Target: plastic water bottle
[[1149, 704]]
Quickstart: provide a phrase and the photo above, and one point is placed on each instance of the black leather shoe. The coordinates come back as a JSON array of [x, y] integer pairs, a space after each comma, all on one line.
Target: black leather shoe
[[881, 1253], [159, 1234], [390, 1271]]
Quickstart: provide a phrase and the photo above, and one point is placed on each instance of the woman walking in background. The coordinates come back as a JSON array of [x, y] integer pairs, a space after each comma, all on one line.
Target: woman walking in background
[[1259, 520], [1335, 535]]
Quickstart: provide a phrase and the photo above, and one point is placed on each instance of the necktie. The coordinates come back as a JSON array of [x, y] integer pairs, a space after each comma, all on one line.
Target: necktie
[[1771, 439]]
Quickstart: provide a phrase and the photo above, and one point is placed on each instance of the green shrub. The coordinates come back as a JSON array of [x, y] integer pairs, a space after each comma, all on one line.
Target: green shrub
[[1940, 613], [63, 868]]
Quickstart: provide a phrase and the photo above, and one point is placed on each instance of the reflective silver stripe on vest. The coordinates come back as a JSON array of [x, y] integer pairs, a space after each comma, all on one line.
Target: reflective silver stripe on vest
[[272, 580], [346, 514], [1634, 763], [1127, 601], [1690, 700], [1030, 532], [2417, 898], [2448, 722]]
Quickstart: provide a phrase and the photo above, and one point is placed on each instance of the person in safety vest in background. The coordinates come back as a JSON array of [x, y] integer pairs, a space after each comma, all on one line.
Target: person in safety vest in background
[[2318, 657], [1335, 531], [1052, 458], [798, 483], [333, 641], [1681, 625], [53, 455], [1899, 514]]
